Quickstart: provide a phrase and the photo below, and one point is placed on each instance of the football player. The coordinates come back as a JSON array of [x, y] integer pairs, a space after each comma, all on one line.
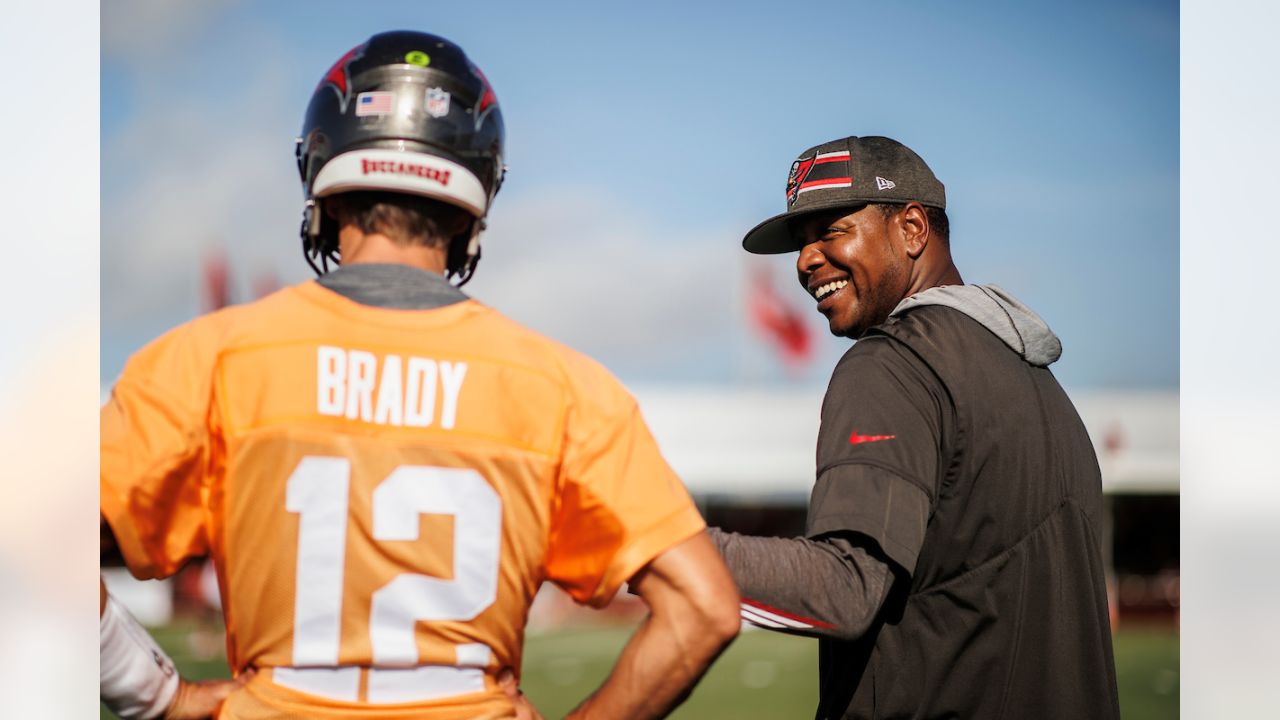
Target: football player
[[385, 470]]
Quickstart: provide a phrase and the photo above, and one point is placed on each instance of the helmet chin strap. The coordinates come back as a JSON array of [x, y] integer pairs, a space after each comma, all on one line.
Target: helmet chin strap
[[311, 216], [460, 272], [314, 246], [459, 269], [473, 244]]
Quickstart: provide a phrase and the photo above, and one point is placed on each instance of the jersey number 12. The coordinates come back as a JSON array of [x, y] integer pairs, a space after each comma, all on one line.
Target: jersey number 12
[[317, 491]]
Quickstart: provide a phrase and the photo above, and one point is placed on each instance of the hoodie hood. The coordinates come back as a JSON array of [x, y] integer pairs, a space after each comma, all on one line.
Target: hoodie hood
[[998, 311]]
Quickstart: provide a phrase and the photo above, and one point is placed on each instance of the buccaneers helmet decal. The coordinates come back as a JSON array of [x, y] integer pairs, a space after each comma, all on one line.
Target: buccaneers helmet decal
[[338, 77], [488, 99]]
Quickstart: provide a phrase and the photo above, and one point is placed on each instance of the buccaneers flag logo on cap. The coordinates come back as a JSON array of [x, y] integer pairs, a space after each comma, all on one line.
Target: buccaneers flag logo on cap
[[799, 171]]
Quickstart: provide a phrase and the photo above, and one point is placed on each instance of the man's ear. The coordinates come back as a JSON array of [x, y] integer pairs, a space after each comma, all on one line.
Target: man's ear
[[914, 226]]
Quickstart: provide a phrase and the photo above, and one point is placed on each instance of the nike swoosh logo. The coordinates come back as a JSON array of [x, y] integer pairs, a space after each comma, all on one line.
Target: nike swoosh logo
[[855, 438]]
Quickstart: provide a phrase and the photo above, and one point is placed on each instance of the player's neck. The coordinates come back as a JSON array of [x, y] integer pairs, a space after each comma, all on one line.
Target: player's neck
[[357, 248]]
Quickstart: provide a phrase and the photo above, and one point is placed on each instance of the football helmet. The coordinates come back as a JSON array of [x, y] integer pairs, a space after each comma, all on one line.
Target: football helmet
[[403, 112]]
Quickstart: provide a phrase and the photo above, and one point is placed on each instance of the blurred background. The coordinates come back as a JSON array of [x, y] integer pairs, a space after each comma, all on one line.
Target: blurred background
[[642, 145]]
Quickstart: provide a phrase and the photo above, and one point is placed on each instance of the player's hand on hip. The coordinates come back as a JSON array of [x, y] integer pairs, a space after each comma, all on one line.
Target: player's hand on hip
[[201, 700], [524, 709]]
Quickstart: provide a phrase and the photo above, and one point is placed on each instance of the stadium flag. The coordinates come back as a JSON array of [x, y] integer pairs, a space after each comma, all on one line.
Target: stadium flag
[[777, 320], [217, 287]]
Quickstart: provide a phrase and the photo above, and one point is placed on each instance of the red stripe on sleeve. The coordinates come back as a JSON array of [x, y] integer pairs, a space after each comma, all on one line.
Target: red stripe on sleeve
[[785, 614]]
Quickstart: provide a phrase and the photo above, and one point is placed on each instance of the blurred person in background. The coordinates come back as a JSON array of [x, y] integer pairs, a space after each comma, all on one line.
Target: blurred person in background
[[383, 469], [951, 565]]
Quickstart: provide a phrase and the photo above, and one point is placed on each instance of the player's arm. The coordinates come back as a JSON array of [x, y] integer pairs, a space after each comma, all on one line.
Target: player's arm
[[832, 586], [693, 616], [887, 423], [137, 679]]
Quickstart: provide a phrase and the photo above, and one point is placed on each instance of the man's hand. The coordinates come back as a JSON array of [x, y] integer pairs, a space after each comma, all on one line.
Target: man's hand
[[524, 709], [201, 700]]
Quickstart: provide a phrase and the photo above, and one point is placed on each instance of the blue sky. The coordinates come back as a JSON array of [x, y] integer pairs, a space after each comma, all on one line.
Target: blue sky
[[644, 142]]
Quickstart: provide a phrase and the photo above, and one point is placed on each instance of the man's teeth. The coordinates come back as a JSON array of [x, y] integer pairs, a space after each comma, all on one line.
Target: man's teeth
[[829, 288]]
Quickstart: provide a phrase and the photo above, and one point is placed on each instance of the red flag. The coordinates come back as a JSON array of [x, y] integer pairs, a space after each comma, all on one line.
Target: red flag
[[217, 291], [1113, 442], [777, 320]]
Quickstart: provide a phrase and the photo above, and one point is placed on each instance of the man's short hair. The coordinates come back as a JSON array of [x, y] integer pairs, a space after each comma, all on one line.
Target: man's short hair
[[939, 226], [406, 219]]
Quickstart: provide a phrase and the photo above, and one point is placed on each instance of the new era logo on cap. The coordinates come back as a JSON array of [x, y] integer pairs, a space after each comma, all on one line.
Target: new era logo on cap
[[882, 184]]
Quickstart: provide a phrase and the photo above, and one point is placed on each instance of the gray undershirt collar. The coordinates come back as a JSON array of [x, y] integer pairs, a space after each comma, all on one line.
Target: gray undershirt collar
[[392, 286]]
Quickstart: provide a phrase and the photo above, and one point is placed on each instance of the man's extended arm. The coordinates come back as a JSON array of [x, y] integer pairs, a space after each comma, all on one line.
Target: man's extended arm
[[693, 616], [828, 587], [872, 499]]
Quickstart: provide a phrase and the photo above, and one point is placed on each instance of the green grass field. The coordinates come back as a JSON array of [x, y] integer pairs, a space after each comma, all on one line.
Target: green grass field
[[763, 676]]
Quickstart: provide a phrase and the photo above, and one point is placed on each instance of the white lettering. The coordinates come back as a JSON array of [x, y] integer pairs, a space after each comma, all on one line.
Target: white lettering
[[331, 373], [451, 377], [420, 396], [390, 397], [362, 367], [388, 389]]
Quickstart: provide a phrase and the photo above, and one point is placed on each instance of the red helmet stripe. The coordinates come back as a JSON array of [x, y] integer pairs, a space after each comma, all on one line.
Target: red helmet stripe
[[337, 75], [488, 98]]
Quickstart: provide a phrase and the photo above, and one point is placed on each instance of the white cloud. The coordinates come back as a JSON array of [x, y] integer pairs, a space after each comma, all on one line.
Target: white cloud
[[583, 267], [573, 263], [182, 178], [144, 31]]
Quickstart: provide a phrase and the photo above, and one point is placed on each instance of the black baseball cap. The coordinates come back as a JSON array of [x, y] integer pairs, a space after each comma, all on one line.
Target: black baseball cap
[[847, 173]]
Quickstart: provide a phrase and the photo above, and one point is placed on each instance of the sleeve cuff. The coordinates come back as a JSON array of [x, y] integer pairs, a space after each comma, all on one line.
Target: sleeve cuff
[[641, 550], [874, 502]]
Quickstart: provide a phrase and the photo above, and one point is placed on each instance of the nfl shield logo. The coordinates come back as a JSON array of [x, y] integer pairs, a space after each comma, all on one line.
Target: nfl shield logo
[[437, 102]]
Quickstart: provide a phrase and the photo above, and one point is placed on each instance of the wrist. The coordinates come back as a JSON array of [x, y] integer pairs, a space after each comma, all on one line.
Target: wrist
[[136, 678]]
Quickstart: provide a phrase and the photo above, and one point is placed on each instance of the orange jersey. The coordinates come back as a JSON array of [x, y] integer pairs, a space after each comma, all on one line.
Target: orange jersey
[[382, 492]]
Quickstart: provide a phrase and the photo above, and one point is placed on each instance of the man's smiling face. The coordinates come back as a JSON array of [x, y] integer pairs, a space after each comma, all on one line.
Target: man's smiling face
[[853, 263]]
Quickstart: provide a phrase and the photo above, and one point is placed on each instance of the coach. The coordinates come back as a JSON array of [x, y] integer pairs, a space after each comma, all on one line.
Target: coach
[[951, 564]]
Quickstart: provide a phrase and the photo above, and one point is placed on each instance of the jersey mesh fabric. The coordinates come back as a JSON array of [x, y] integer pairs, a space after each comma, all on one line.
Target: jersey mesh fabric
[[207, 425]]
